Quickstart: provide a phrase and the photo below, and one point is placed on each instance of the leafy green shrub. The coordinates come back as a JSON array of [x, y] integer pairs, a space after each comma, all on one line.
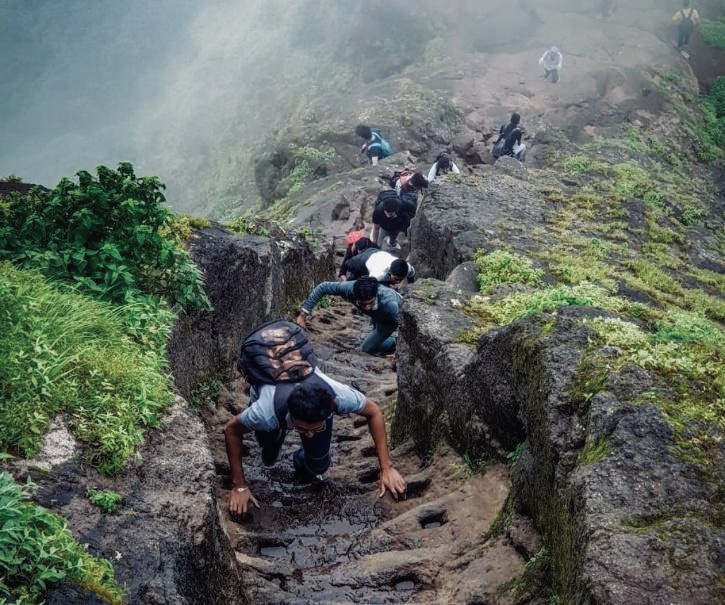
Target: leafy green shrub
[[577, 164], [37, 550], [713, 33], [104, 236], [64, 352], [500, 267], [179, 227], [246, 225], [104, 499]]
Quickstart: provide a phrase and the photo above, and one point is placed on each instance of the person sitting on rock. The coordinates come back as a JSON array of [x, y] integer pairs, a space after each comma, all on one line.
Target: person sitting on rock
[[686, 18], [380, 303], [389, 220], [552, 61], [509, 140], [356, 244], [309, 409], [389, 270], [443, 165]]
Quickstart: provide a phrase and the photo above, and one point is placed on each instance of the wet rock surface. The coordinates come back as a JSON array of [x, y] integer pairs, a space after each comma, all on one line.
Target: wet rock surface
[[337, 542]]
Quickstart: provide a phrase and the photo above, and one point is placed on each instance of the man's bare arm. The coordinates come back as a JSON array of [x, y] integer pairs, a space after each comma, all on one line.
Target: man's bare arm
[[241, 494], [390, 478]]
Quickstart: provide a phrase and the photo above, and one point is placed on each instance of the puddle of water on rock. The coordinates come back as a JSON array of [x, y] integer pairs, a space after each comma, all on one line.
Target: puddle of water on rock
[[273, 551]]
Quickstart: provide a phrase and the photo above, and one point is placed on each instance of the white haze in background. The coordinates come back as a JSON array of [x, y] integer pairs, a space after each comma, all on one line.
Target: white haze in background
[[172, 86]]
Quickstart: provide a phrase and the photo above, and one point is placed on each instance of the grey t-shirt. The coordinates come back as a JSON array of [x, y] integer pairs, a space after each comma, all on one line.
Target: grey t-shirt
[[260, 416]]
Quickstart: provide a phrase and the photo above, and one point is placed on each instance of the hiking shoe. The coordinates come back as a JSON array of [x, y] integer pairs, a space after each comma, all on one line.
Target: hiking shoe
[[302, 473]]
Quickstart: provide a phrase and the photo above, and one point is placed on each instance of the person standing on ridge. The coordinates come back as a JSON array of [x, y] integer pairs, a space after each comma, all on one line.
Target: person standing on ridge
[[686, 18]]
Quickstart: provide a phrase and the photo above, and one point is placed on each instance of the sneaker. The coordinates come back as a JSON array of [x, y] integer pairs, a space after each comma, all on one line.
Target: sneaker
[[302, 473]]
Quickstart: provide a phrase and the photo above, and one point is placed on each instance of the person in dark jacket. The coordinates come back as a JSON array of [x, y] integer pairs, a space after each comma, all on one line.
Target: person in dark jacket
[[389, 220], [380, 303], [509, 140]]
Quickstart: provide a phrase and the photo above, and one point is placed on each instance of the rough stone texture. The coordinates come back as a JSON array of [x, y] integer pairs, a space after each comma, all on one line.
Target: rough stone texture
[[486, 209], [165, 540], [249, 280], [635, 525]]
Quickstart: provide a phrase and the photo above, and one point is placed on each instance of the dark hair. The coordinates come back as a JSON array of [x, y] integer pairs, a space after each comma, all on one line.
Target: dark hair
[[443, 160], [399, 268], [364, 243], [363, 131], [311, 401], [365, 288], [418, 181], [515, 118], [391, 204]]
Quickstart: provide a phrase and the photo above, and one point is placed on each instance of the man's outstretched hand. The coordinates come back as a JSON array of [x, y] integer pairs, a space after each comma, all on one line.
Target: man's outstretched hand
[[391, 480], [301, 319], [239, 501]]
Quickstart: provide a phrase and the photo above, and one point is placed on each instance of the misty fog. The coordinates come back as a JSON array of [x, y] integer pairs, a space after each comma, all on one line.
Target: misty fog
[[189, 91]]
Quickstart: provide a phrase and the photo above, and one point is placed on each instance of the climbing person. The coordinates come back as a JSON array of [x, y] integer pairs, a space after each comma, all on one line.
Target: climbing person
[[390, 219], [389, 270], [552, 61], [357, 243], [375, 146], [443, 165], [409, 185], [509, 140], [305, 403], [686, 18], [380, 303]]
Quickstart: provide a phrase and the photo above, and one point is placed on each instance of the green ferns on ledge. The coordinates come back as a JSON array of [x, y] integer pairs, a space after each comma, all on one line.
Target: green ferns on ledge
[[37, 550]]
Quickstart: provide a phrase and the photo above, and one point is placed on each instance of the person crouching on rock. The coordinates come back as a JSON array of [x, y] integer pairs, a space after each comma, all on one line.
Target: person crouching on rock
[[309, 409], [378, 302]]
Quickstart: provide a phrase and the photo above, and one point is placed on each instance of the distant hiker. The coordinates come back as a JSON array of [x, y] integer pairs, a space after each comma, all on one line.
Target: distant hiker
[[509, 140], [358, 243], [443, 165], [390, 219], [408, 184], [380, 303], [389, 270], [686, 18], [375, 146], [305, 404], [552, 62]]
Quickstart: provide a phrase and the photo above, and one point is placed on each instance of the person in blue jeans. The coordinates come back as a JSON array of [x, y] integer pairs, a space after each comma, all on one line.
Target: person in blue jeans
[[380, 303], [308, 409]]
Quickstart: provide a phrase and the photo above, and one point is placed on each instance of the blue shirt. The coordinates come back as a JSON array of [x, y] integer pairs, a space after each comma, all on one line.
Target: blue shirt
[[387, 301], [260, 416]]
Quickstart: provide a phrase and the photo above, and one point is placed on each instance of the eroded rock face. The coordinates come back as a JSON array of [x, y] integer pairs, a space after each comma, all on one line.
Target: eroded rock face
[[631, 525], [249, 280], [165, 540]]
